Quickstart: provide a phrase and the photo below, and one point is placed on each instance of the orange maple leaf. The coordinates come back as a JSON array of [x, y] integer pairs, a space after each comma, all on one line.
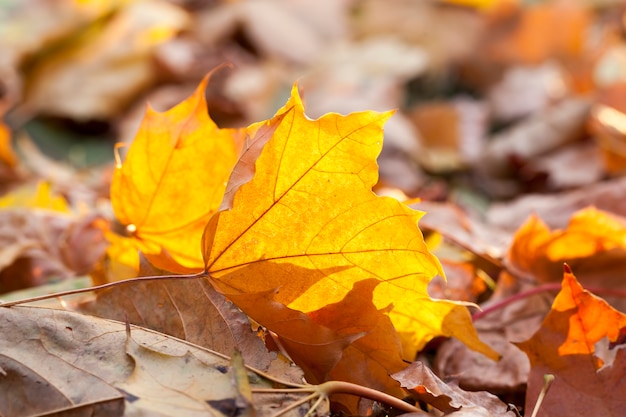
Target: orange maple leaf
[[565, 346], [308, 223], [173, 180]]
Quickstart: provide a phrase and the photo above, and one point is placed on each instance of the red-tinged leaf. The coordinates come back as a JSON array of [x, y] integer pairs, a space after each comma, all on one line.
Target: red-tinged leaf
[[565, 346]]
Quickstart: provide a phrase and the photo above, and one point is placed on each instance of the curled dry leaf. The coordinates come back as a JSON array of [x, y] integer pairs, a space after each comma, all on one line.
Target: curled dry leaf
[[427, 387], [156, 192], [309, 224], [475, 373], [565, 346]]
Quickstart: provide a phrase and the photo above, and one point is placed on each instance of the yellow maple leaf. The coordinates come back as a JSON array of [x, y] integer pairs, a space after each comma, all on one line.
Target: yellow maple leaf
[[309, 224], [173, 180]]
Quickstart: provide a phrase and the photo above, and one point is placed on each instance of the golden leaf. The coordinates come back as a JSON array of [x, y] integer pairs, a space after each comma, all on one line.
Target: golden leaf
[[173, 180], [309, 224]]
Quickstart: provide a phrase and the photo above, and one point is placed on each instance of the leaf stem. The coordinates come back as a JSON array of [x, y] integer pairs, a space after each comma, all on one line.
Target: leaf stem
[[336, 387], [552, 286], [328, 388], [517, 297], [547, 383], [99, 287]]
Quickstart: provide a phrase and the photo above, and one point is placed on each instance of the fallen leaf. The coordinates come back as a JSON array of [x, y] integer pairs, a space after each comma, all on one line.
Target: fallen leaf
[[109, 56], [594, 242], [556, 209], [564, 346], [426, 24], [39, 196], [462, 282], [570, 167], [41, 239], [425, 386], [36, 378], [464, 229], [556, 126], [506, 378], [155, 193], [308, 224], [197, 388], [186, 308], [66, 361]]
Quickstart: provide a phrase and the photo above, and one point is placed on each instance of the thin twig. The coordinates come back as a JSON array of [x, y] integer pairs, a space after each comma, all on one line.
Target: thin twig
[[553, 286]]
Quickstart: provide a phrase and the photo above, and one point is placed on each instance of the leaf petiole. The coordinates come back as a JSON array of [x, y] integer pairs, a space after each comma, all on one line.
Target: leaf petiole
[[323, 391], [99, 287]]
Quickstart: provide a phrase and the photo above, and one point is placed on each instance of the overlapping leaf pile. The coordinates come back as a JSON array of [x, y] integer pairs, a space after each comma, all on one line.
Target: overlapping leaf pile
[[301, 243], [278, 222]]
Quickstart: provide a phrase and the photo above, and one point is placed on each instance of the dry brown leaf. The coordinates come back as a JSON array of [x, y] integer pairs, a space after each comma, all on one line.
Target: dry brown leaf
[[508, 376], [607, 122], [41, 375], [461, 284], [574, 166], [463, 229], [525, 90], [38, 246], [67, 360], [189, 309], [111, 63], [452, 133], [557, 126], [556, 209], [427, 387], [426, 24]]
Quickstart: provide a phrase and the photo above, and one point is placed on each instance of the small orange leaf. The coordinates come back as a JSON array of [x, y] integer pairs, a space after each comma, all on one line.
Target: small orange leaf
[[565, 346], [309, 224], [173, 180], [539, 251]]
